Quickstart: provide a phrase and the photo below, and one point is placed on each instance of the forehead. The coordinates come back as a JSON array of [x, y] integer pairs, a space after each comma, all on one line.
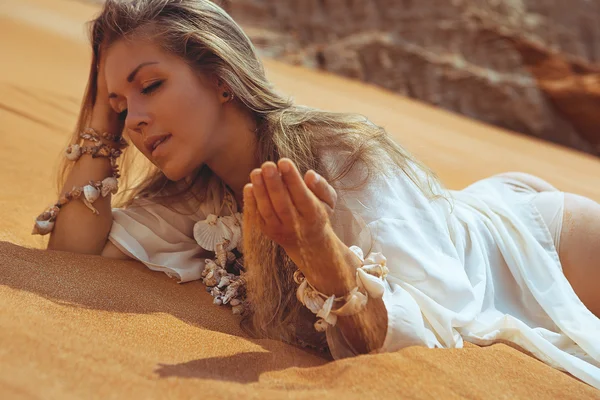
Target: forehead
[[124, 56]]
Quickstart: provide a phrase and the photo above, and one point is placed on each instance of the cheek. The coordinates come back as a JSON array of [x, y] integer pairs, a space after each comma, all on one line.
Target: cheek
[[199, 111]]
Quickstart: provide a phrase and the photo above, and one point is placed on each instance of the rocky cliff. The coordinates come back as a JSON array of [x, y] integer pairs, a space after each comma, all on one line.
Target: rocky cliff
[[527, 65]]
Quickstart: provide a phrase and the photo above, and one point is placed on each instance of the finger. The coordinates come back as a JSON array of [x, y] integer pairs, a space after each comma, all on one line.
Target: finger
[[278, 193], [321, 188], [301, 196], [263, 203], [250, 206]]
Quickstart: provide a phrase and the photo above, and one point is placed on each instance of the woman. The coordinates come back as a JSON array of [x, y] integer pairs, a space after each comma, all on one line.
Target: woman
[[319, 191]]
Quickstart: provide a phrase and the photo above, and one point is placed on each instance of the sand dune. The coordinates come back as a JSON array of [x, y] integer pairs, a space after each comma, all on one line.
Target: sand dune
[[84, 327]]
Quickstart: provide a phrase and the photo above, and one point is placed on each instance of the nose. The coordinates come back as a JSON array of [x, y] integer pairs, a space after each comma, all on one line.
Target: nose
[[137, 119]]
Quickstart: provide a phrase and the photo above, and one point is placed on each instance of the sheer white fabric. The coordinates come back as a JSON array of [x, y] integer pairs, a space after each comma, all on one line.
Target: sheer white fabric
[[163, 239], [481, 267]]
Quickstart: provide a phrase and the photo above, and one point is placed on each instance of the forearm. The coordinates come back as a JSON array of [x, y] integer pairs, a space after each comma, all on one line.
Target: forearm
[[366, 330], [77, 229]]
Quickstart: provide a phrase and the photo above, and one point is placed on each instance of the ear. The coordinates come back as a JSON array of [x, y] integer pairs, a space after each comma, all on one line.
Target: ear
[[223, 91]]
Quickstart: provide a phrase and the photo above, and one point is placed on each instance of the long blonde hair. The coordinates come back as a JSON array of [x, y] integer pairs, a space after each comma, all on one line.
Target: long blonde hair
[[206, 37]]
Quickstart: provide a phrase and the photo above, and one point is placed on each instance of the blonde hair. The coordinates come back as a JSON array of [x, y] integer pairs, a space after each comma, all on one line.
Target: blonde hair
[[206, 37]]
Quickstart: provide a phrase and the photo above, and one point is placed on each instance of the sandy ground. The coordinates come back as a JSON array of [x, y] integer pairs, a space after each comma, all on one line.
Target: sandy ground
[[84, 327]]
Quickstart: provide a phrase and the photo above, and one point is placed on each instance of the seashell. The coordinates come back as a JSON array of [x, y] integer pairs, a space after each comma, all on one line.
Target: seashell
[[234, 231], [358, 251], [375, 258], [321, 325], [215, 292], [218, 301], [109, 185], [231, 257], [210, 232], [235, 302], [326, 313], [76, 192], [377, 270], [42, 227], [90, 206], [300, 292], [313, 301], [231, 292], [91, 193], [238, 310], [221, 254], [211, 280], [372, 284], [73, 152], [224, 282], [209, 266]]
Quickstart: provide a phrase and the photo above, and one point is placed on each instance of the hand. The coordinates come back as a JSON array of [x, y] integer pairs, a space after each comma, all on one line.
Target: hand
[[289, 209], [104, 117]]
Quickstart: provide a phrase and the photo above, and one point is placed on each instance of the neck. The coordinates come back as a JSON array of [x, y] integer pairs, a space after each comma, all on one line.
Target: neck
[[234, 164]]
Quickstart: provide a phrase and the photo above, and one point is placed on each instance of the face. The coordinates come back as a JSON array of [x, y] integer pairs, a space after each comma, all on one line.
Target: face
[[162, 98]]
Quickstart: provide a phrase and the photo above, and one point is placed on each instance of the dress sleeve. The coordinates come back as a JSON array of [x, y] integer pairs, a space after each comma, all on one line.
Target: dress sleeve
[[426, 292], [160, 238]]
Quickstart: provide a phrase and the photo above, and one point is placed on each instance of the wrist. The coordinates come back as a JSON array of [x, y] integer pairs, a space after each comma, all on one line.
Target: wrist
[[334, 272], [105, 119]]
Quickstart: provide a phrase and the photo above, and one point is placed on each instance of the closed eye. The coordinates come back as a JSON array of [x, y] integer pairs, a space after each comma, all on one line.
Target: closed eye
[[151, 88]]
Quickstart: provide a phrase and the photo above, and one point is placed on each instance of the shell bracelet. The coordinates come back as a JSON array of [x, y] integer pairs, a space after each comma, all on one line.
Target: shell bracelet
[[44, 223], [369, 278]]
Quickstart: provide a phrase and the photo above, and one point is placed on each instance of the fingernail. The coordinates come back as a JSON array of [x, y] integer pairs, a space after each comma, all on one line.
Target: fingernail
[[257, 179], [317, 178], [284, 166], [269, 170]]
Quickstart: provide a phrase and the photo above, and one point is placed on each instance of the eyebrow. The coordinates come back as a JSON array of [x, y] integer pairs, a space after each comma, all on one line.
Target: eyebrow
[[132, 75]]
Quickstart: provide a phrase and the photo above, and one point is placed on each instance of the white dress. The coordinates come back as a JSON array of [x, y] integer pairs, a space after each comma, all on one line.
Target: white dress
[[480, 267]]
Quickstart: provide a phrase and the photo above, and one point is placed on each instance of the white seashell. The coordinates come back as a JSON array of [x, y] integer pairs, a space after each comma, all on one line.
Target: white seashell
[[301, 291], [313, 301], [42, 227], [234, 231], [218, 301], [209, 265], [221, 254], [325, 312], [73, 152], [109, 185], [373, 285], [377, 270], [321, 325], [376, 258], [235, 302], [91, 193], [224, 282], [230, 293], [358, 251], [210, 232]]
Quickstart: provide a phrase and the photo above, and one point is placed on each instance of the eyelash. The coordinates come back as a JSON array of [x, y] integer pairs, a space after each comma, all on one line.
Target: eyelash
[[146, 91], [151, 88]]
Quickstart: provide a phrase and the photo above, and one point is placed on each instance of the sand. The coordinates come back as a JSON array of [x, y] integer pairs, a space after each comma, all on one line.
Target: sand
[[75, 326]]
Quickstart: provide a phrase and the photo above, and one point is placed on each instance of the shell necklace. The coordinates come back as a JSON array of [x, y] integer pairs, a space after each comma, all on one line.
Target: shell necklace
[[224, 275]]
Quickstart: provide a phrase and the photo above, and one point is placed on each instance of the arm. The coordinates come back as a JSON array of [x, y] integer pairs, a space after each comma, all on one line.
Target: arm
[[292, 215], [77, 229], [364, 331]]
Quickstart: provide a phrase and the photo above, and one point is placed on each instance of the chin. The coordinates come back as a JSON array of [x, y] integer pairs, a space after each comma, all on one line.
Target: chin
[[176, 172]]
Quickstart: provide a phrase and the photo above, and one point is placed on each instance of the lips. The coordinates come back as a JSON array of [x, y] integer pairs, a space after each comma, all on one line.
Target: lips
[[154, 142]]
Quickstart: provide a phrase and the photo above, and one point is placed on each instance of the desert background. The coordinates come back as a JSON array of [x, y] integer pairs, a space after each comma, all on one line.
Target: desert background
[[472, 88]]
